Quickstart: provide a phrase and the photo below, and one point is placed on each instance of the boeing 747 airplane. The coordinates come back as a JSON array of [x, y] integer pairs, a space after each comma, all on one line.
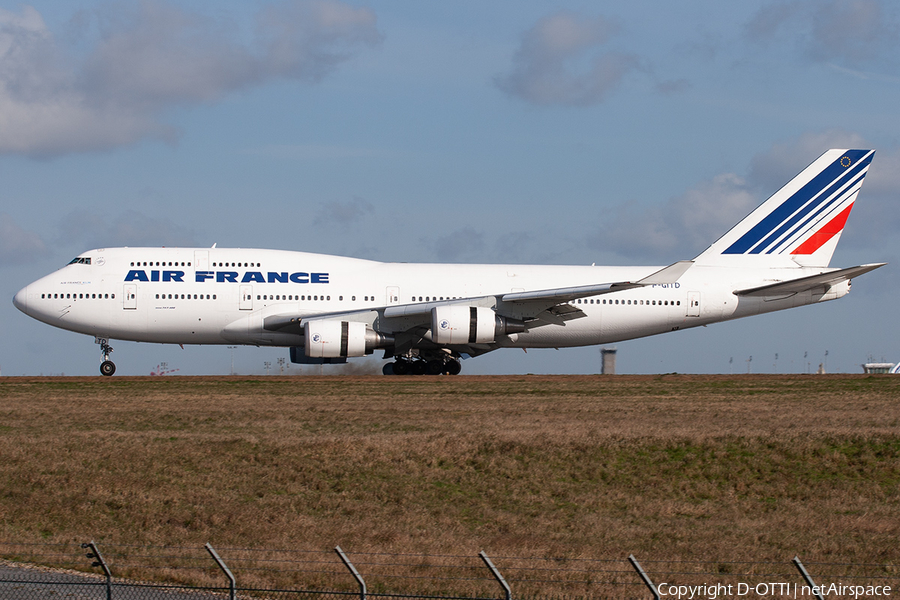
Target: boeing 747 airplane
[[427, 316]]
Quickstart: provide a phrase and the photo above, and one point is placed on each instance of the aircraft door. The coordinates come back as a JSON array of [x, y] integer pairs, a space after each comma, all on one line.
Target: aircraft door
[[393, 295], [246, 297], [130, 297], [201, 260], [693, 307]]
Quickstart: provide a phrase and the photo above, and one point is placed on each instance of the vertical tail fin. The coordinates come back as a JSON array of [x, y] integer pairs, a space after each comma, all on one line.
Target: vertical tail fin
[[802, 221]]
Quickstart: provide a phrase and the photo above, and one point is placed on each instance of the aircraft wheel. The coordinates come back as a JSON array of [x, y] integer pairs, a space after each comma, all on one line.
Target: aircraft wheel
[[434, 367], [401, 367], [107, 368], [387, 369], [452, 367], [418, 367]]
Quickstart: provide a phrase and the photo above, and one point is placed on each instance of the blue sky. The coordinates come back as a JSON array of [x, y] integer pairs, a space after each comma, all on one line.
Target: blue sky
[[525, 132]]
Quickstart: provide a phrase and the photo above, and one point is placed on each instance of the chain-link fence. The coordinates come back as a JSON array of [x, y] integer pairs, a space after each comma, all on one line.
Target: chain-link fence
[[132, 572]]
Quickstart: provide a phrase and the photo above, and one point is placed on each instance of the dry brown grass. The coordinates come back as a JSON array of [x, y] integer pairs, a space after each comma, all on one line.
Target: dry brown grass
[[669, 467]]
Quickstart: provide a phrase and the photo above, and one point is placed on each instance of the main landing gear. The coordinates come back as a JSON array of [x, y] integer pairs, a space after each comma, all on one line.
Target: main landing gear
[[107, 367], [420, 366]]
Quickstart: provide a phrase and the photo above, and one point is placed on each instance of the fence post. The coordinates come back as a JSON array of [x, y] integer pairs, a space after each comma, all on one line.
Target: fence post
[[353, 571], [807, 578], [95, 553], [232, 584], [496, 574], [644, 577]]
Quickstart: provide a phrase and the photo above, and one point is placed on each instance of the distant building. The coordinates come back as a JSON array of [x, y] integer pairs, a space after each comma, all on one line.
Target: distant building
[[882, 367], [608, 365]]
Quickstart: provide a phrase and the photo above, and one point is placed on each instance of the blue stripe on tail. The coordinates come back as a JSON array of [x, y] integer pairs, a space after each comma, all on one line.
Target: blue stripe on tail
[[750, 241]]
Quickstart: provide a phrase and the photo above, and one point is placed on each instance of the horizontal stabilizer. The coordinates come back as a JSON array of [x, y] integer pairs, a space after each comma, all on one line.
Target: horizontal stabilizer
[[802, 284]]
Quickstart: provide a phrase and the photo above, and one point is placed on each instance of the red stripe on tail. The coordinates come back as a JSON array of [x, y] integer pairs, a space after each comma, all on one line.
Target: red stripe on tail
[[828, 231]]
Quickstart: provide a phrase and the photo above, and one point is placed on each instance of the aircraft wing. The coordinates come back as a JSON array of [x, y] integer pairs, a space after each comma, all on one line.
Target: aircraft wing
[[802, 284], [669, 274], [549, 305], [409, 324]]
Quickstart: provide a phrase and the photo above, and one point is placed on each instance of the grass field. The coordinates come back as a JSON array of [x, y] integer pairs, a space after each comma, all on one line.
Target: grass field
[[666, 467]]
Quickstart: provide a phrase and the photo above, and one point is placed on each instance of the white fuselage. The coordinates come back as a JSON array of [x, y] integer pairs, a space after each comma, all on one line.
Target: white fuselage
[[223, 296]]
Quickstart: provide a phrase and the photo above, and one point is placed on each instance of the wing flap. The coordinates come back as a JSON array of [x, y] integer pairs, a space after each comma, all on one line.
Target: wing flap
[[802, 284]]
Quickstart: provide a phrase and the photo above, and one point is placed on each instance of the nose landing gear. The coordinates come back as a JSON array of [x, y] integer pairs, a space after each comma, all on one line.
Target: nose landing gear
[[107, 367]]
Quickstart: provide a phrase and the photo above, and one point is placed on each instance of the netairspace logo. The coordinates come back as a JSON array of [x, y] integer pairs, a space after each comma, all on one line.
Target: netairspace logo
[[763, 590]]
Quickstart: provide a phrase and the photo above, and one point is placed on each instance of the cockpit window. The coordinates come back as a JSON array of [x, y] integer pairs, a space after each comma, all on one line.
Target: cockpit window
[[80, 260]]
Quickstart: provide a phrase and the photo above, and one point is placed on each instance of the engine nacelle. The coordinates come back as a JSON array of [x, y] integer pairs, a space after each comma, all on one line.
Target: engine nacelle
[[454, 324], [298, 356], [331, 338]]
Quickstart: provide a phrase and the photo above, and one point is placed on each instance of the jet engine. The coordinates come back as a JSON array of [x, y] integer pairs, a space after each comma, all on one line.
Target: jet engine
[[455, 324], [330, 338]]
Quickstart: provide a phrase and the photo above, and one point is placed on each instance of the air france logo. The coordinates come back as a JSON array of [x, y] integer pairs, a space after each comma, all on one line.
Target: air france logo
[[317, 338], [228, 276], [445, 324]]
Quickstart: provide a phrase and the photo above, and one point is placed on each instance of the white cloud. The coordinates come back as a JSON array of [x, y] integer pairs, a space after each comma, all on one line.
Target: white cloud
[[687, 224], [850, 32], [18, 246], [151, 58], [462, 245], [559, 62], [343, 213], [775, 167], [680, 228]]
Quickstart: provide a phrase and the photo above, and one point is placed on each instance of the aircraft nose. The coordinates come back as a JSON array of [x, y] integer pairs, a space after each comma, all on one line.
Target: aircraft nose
[[21, 300]]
